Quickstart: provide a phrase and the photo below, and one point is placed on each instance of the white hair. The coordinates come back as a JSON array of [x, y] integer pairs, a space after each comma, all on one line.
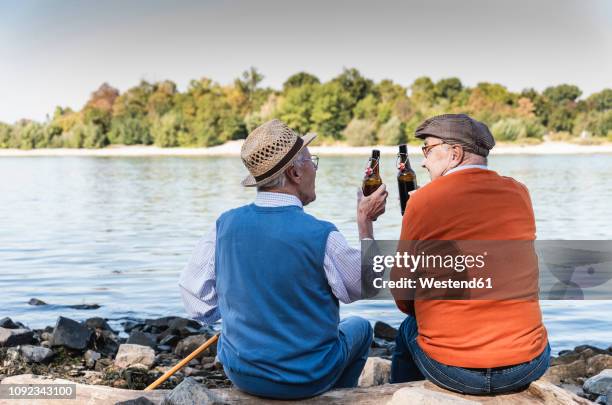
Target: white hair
[[279, 180]]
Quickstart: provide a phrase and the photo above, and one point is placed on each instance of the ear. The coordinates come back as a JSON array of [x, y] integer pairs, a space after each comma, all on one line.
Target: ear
[[293, 175], [458, 153]]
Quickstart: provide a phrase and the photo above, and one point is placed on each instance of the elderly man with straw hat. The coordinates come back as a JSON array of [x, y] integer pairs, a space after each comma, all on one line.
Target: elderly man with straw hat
[[276, 274]]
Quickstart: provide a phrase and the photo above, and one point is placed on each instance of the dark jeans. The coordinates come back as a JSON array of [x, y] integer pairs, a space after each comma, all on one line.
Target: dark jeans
[[410, 363], [355, 336]]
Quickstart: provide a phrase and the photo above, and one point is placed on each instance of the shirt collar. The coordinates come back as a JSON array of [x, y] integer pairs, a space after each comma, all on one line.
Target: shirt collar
[[456, 169], [269, 199]]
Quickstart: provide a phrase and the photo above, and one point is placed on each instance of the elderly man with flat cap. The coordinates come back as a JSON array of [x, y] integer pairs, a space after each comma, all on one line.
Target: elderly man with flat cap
[[275, 275], [469, 346]]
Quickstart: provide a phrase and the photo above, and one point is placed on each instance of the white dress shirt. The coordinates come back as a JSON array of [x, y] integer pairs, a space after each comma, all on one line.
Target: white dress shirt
[[342, 265]]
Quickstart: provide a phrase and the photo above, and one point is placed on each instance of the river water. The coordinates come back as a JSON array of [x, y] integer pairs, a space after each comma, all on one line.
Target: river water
[[117, 231]]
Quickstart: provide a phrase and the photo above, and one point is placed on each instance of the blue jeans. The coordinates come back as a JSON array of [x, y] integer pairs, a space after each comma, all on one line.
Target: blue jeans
[[410, 363], [355, 336]]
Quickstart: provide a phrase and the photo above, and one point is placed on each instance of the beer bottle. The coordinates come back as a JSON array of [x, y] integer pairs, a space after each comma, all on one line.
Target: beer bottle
[[372, 180], [406, 177]]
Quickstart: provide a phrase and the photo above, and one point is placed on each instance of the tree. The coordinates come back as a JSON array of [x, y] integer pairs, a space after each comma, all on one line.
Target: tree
[[601, 101], [354, 84], [300, 79], [392, 132], [5, 135], [360, 132], [562, 92], [331, 109], [448, 88]]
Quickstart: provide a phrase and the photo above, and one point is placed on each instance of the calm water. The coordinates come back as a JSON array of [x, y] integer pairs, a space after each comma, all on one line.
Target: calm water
[[117, 231]]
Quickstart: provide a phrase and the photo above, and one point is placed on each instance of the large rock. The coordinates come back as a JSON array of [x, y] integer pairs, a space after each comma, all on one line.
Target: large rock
[[71, 334], [424, 396], [8, 323], [85, 394], [598, 363], [97, 323], [384, 331], [189, 344], [539, 392], [129, 354], [599, 384], [376, 371], [91, 357], [142, 338], [566, 373], [14, 337], [36, 354], [191, 392]]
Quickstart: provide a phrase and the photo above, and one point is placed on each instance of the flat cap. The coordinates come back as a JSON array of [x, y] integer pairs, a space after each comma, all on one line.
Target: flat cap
[[458, 129]]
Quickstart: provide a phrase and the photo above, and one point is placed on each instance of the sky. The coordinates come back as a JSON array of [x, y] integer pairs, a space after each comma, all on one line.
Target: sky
[[57, 52]]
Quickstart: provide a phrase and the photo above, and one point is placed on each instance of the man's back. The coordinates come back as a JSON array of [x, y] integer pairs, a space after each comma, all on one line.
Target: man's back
[[475, 204], [279, 314]]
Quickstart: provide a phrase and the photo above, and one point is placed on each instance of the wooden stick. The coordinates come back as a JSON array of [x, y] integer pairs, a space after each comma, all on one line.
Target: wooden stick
[[182, 363]]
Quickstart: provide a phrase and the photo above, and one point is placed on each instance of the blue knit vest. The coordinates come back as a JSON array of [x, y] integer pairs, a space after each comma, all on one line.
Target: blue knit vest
[[280, 317]]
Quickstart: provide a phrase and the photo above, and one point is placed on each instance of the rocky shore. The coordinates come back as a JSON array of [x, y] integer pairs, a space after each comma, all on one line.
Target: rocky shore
[[91, 353]]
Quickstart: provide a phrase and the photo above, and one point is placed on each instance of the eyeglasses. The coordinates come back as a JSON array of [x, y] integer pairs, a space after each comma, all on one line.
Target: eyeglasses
[[314, 159], [428, 148]]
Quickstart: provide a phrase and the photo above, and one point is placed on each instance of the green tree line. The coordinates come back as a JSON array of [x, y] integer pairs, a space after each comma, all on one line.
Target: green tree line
[[349, 108]]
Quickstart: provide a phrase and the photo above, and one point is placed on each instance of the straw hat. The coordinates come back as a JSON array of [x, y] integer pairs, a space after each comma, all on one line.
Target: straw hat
[[269, 149]]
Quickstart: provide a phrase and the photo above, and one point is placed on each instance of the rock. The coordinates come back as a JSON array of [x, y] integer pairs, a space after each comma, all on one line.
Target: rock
[[170, 340], [594, 350], [598, 363], [164, 348], [141, 338], [97, 323], [160, 322], [189, 392], [84, 306], [14, 337], [85, 394], [36, 301], [384, 331], [566, 358], [71, 334], [8, 323], [137, 377], [599, 384], [91, 357], [566, 373], [130, 354], [128, 326], [13, 354], [105, 342], [190, 343], [36, 354], [180, 323], [423, 396], [539, 392], [137, 401], [376, 371], [102, 364]]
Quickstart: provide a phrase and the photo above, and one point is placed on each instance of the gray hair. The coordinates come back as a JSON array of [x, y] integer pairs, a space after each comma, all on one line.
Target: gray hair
[[280, 180]]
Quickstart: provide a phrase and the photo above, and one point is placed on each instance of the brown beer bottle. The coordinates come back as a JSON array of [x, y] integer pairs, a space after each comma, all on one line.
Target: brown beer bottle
[[406, 177], [372, 180]]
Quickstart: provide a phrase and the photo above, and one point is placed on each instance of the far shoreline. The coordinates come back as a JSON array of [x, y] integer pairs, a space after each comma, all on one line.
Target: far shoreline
[[232, 148]]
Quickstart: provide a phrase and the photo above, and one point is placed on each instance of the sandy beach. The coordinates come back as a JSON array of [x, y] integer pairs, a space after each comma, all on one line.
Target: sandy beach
[[232, 148]]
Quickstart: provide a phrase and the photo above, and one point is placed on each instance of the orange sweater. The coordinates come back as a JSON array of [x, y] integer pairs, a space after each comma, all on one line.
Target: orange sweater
[[474, 204]]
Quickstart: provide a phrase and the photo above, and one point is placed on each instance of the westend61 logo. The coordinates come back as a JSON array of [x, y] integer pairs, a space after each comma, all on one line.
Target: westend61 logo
[[479, 270]]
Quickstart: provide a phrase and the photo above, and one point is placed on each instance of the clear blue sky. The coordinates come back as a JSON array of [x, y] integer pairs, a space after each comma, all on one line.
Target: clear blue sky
[[58, 52]]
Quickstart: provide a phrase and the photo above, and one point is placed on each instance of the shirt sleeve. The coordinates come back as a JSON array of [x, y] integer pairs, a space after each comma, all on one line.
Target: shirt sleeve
[[342, 266], [198, 282]]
